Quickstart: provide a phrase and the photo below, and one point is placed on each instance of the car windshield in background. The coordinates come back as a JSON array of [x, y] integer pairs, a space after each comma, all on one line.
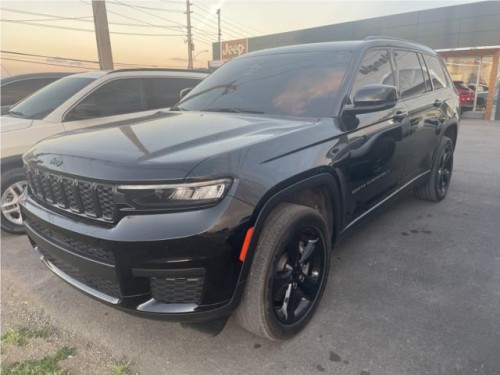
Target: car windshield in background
[[302, 84], [44, 101]]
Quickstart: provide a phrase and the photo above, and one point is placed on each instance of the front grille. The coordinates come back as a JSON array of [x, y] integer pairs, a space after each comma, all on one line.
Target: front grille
[[88, 248], [107, 287], [85, 198], [178, 289]]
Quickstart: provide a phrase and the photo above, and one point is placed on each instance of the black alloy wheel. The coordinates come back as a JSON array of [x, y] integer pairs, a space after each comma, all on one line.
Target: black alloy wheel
[[288, 273], [439, 180], [444, 170], [297, 278]]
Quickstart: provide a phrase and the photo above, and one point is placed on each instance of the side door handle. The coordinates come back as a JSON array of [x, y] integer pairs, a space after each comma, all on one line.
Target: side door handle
[[400, 115], [438, 103]]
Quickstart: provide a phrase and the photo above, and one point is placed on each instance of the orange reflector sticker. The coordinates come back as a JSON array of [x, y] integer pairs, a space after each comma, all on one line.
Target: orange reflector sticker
[[246, 244]]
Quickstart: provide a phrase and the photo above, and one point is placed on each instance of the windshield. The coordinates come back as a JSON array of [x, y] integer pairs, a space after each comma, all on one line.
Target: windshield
[[302, 84], [44, 101]]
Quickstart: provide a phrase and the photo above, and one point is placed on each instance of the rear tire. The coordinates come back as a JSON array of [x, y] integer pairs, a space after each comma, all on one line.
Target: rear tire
[[439, 181], [288, 275], [13, 184]]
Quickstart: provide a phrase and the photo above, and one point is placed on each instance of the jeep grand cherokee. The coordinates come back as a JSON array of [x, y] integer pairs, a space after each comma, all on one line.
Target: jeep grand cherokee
[[233, 201]]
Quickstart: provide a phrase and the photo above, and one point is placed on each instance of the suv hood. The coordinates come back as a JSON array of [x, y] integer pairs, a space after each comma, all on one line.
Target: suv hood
[[9, 123], [159, 149]]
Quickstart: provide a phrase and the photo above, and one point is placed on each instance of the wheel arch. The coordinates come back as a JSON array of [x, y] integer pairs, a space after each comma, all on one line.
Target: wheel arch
[[312, 187], [451, 131], [11, 162]]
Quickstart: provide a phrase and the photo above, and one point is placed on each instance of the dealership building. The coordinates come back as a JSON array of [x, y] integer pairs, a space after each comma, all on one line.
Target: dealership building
[[466, 36]]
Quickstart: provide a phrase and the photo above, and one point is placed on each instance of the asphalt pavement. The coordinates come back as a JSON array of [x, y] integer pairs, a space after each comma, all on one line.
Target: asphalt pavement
[[415, 289]]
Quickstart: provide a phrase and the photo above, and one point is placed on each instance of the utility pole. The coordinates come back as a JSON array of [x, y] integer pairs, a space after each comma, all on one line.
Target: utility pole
[[218, 24], [189, 35], [102, 35]]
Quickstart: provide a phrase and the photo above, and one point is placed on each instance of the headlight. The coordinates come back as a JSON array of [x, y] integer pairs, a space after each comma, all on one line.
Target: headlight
[[178, 196]]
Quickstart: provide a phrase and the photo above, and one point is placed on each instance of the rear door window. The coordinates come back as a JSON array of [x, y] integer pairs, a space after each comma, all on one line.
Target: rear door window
[[117, 97], [411, 77], [436, 71]]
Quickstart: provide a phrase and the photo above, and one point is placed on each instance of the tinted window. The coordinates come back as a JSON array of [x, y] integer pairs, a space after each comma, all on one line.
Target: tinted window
[[15, 91], [436, 71], [302, 84], [114, 98], [164, 92], [375, 69], [45, 100], [411, 78]]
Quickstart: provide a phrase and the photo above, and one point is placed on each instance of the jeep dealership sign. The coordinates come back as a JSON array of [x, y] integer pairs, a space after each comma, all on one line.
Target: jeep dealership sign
[[233, 48]]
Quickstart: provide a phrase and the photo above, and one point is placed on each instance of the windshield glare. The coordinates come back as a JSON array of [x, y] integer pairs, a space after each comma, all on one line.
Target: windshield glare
[[302, 84], [44, 101]]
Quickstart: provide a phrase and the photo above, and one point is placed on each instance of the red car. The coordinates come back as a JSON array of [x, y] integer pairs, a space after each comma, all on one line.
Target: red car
[[466, 96]]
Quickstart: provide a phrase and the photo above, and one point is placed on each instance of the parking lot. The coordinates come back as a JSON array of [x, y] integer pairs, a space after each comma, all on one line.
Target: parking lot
[[414, 290]]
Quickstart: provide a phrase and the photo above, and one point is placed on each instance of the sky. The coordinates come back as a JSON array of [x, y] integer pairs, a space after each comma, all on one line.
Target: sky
[[153, 33]]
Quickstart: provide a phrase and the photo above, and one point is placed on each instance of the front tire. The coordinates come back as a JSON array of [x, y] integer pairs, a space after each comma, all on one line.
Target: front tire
[[13, 184], [288, 275], [437, 187]]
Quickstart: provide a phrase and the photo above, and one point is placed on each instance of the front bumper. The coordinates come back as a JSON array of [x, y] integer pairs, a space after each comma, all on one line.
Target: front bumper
[[176, 266]]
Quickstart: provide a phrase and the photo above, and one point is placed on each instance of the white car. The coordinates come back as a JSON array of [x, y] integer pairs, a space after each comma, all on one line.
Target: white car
[[79, 101]]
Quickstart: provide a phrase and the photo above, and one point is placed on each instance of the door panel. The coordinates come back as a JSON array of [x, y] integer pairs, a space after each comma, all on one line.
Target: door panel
[[377, 156], [377, 142]]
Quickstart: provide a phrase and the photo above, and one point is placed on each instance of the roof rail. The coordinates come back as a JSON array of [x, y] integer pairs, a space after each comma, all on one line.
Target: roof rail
[[375, 37], [158, 70]]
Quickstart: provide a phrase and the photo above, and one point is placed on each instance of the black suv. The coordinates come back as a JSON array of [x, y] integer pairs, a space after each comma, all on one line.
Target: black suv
[[233, 199]]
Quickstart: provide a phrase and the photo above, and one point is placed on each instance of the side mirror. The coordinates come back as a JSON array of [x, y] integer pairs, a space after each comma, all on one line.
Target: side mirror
[[84, 111], [184, 92], [372, 98]]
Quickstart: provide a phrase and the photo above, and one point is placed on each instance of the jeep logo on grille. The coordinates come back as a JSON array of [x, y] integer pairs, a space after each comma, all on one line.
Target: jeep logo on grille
[[56, 161]]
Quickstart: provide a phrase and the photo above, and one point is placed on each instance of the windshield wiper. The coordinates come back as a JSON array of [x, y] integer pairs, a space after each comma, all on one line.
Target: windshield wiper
[[176, 108], [15, 114], [232, 110]]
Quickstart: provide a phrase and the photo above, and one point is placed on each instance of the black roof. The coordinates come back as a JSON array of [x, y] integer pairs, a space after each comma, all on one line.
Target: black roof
[[373, 41]]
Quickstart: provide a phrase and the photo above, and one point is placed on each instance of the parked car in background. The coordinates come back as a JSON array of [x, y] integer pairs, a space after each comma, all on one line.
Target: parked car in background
[[79, 101], [14, 89], [466, 96], [482, 94], [232, 201]]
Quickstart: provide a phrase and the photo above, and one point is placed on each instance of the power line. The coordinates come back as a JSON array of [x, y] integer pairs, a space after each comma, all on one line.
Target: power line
[[130, 18], [227, 31], [57, 19], [83, 19], [45, 63], [149, 8], [151, 14], [79, 29], [240, 26], [71, 59], [35, 14]]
